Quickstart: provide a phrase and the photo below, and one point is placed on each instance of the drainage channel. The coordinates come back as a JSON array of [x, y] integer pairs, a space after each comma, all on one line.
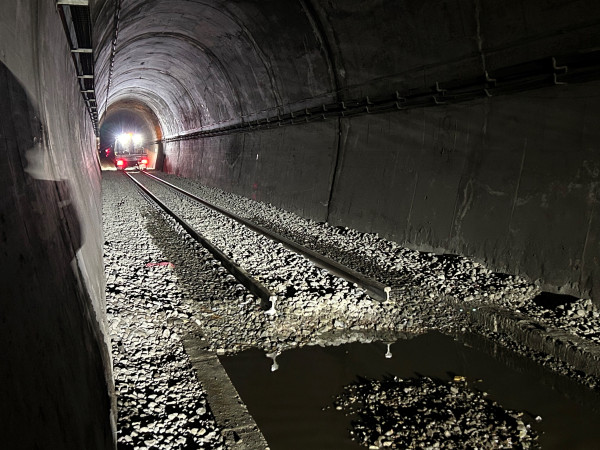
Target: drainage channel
[[294, 405]]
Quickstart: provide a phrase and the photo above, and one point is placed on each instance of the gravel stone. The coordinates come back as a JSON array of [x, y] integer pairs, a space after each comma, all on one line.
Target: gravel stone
[[424, 413], [157, 390], [160, 283]]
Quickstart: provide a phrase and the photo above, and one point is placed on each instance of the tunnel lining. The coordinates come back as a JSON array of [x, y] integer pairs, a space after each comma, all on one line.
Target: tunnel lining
[[331, 71]]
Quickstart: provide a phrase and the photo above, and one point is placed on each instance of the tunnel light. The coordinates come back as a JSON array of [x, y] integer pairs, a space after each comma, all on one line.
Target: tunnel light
[[124, 138], [137, 139]]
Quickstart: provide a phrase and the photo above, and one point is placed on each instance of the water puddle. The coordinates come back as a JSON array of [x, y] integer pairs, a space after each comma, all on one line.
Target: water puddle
[[292, 405]]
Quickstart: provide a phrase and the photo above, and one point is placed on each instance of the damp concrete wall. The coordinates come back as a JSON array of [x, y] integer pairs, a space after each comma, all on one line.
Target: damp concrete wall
[[510, 180], [292, 167], [491, 154], [55, 376]]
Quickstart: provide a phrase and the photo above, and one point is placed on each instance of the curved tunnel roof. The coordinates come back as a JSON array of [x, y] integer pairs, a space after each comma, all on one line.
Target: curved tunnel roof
[[204, 64], [200, 64]]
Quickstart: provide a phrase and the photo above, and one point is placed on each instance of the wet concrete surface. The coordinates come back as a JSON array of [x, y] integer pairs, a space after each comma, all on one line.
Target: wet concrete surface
[[293, 406]]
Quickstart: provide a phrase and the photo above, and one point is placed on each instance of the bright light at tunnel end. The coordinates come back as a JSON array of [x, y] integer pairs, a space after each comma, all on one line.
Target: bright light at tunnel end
[[126, 138]]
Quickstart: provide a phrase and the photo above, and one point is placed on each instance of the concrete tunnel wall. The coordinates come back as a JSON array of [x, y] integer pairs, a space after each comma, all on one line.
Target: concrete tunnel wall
[[487, 179], [511, 180], [55, 375]]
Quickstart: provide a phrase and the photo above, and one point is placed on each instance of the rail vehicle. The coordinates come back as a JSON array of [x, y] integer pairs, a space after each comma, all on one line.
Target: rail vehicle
[[128, 151]]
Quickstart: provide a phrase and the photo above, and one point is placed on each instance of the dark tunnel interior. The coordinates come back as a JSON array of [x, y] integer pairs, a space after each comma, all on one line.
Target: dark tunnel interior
[[464, 127], [127, 119], [457, 115]]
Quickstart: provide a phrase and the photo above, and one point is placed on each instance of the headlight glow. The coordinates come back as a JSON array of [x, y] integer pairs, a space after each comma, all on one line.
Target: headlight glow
[[124, 138], [137, 139]]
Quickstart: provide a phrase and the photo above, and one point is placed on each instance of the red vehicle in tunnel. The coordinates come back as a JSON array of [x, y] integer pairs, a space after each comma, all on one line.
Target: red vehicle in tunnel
[[128, 151]]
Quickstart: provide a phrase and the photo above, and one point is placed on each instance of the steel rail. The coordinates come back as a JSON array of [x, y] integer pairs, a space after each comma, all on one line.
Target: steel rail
[[267, 297], [374, 288]]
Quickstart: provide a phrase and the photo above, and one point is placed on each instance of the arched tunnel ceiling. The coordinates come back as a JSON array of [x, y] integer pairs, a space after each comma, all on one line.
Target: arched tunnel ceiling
[[173, 59], [198, 64], [202, 64]]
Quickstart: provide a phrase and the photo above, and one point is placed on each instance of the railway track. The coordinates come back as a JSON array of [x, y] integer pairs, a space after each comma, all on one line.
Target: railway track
[[373, 288], [267, 297]]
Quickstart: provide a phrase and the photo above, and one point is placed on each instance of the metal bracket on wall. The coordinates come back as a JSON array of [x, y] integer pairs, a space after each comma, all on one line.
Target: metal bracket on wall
[[561, 69], [399, 98], [75, 17], [490, 80], [73, 2], [558, 70], [556, 82], [439, 90]]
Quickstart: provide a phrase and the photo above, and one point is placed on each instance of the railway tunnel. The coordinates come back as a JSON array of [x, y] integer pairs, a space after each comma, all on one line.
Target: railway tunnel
[[461, 127]]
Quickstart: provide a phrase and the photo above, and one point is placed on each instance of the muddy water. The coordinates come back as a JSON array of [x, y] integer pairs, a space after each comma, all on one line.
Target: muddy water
[[288, 404]]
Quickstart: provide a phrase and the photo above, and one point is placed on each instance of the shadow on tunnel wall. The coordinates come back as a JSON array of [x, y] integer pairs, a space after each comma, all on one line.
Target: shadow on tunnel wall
[[52, 379]]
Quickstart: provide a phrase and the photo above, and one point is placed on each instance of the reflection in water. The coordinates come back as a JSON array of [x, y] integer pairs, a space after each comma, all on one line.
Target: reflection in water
[[388, 354], [344, 336], [292, 406], [273, 355]]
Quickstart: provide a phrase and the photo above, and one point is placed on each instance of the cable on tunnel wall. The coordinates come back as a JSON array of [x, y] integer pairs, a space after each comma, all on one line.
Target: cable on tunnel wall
[[113, 50], [327, 39], [554, 71]]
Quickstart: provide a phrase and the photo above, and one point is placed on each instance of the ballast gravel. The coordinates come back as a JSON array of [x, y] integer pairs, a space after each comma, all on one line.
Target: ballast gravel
[[160, 403], [161, 284], [313, 306], [411, 274], [406, 271], [420, 412]]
